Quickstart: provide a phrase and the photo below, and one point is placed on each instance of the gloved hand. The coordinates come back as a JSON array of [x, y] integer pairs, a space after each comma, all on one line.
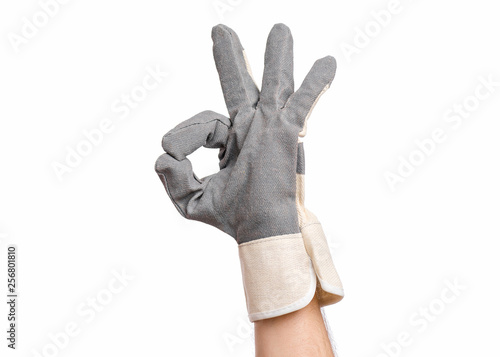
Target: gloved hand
[[257, 197]]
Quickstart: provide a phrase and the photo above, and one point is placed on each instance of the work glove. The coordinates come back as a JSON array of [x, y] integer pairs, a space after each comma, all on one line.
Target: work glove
[[257, 197]]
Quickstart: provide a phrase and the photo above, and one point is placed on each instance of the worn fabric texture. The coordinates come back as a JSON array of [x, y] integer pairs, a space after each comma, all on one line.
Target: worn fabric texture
[[255, 195]]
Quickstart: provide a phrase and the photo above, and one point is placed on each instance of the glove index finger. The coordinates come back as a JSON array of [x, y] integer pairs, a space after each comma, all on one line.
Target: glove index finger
[[208, 129]]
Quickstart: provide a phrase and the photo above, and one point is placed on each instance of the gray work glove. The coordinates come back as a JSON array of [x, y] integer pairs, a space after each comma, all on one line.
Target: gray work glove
[[257, 197]]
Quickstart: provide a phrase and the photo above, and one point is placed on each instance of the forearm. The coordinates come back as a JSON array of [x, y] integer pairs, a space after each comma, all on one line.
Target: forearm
[[300, 333]]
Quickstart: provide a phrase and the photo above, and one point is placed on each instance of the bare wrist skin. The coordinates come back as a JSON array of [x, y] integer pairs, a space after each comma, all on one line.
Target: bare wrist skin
[[300, 333]]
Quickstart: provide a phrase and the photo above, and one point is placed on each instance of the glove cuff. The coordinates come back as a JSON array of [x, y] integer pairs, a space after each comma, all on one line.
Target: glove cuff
[[278, 276], [329, 290]]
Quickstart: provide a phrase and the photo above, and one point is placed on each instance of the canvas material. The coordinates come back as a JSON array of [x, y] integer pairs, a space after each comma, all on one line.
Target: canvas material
[[254, 195], [330, 289], [277, 275], [281, 274]]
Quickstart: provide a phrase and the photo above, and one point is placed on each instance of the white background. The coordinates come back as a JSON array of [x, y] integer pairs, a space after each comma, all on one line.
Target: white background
[[395, 250]]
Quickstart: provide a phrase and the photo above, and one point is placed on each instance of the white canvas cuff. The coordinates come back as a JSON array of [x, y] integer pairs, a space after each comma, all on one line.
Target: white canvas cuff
[[330, 290], [278, 276]]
